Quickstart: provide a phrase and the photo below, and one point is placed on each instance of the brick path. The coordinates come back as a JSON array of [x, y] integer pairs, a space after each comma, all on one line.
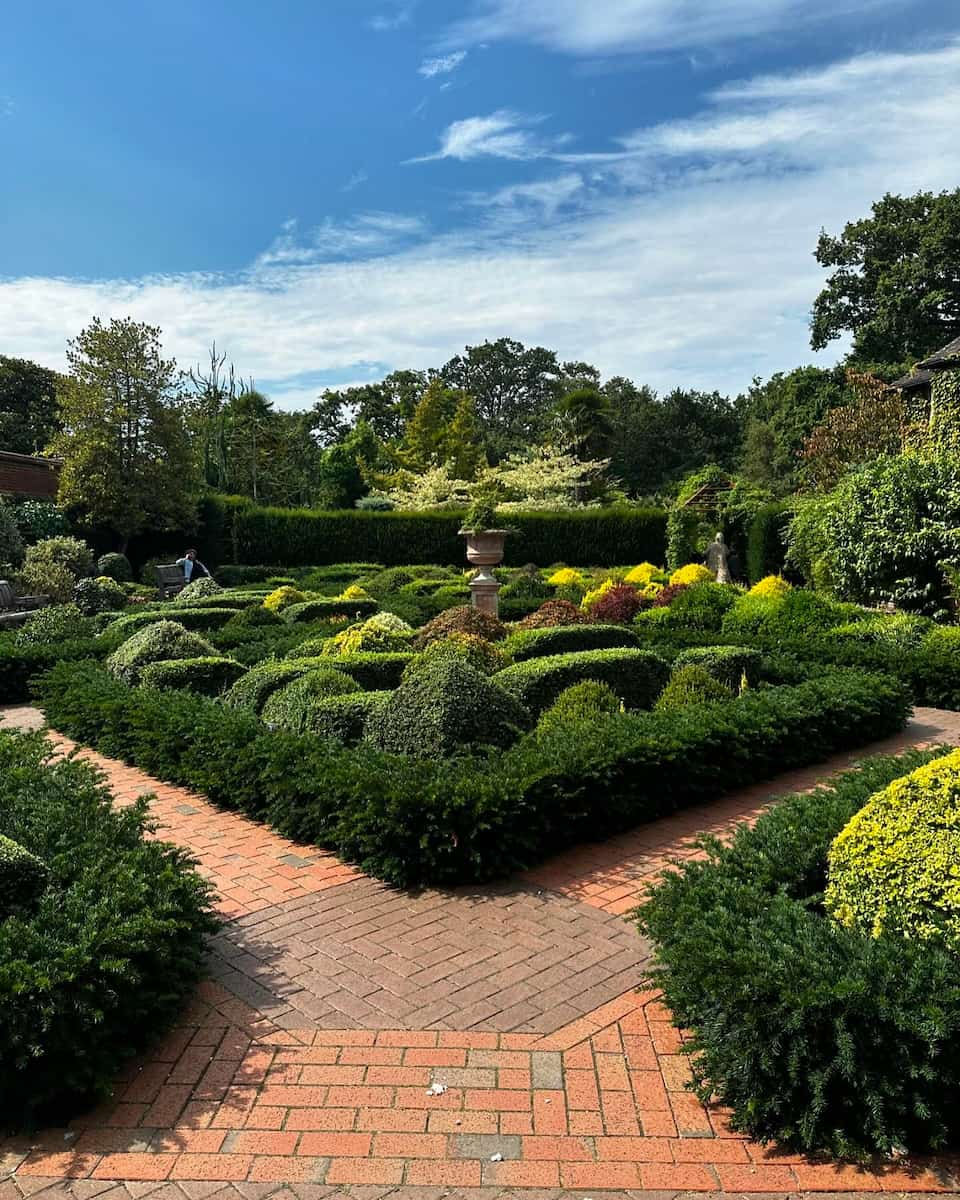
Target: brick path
[[306, 1064]]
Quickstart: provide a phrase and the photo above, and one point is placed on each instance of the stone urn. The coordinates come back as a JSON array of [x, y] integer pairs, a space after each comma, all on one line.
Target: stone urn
[[485, 550]]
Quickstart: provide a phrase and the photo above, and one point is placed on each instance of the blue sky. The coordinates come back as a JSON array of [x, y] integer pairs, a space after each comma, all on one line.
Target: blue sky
[[335, 188]]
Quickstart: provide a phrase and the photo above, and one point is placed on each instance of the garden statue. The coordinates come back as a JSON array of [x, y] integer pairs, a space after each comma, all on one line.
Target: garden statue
[[718, 559]]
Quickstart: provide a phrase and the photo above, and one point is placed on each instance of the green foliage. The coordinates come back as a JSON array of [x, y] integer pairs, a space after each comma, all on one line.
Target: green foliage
[[11, 543], [56, 623], [127, 461], [637, 676], [255, 617], [555, 612], [110, 951], [414, 821], [727, 664], [38, 519], [443, 709], [463, 619], [189, 618], [68, 552], [476, 652], [302, 537], [291, 706], [683, 525], [46, 579], [565, 639], [23, 877], [586, 701], [701, 607], [157, 642], [691, 684], [773, 620], [19, 663], [28, 406], [884, 531], [209, 675], [94, 596], [375, 671], [344, 718], [198, 589], [312, 610], [813, 1035], [253, 690], [898, 631], [766, 541], [893, 867], [115, 566], [934, 671], [896, 278]]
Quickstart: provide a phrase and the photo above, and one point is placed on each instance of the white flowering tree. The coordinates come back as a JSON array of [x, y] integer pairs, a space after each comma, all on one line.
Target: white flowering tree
[[434, 488]]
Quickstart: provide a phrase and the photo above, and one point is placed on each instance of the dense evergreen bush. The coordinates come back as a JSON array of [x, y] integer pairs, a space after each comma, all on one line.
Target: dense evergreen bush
[[727, 664], [23, 877], [637, 676], [412, 821], [253, 617], [463, 619], [313, 610], [701, 607], [344, 718], [291, 706], [814, 1035], [11, 542], [160, 642], [476, 652], [189, 618], [691, 684], [565, 639], [198, 589], [116, 567], [767, 540], [444, 709], [895, 866], [110, 950], [555, 612], [94, 596], [251, 692], [586, 701], [209, 675], [71, 553], [57, 622], [383, 632], [19, 664]]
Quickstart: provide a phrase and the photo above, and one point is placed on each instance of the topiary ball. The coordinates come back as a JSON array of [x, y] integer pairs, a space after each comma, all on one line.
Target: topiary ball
[[462, 619], [290, 706], [115, 566], [586, 701], [690, 685], [482, 655], [159, 642], [554, 612], [445, 709]]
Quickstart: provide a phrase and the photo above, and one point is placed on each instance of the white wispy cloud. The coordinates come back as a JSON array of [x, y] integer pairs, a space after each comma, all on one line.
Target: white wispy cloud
[[442, 65], [355, 180], [628, 26], [688, 260], [546, 196], [395, 16], [502, 134]]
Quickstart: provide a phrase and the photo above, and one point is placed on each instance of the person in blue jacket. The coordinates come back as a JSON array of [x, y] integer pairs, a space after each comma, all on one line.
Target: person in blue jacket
[[193, 568]]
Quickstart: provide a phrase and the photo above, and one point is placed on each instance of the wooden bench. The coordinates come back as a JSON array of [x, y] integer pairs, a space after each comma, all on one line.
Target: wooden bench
[[14, 610], [170, 580]]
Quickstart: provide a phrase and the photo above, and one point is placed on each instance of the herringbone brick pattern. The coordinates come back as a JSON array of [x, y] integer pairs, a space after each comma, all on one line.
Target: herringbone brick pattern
[[556, 1077]]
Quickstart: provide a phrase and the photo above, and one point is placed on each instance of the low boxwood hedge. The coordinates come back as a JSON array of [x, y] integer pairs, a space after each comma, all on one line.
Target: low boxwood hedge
[[344, 718], [727, 664], [637, 676], [316, 610], [190, 618], [566, 639], [414, 821], [23, 877], [210, 675], [19, 664], [818, 1036], [109, 951]]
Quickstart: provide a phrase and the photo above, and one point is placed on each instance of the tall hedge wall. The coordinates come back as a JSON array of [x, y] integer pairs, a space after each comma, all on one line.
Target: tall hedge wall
[[233, 530]]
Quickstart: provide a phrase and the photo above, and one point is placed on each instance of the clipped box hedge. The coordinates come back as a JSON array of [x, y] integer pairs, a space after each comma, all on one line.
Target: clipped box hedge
[[317, 610], [565, 639], [210, 674], [412, 821], [727, 664], [23, 877], [637, 676], [817, 1036], [190, 618]]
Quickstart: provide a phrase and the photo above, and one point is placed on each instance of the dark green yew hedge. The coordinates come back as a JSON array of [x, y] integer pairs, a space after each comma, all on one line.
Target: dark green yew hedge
[[103, 958], [817, 1036], [413, 821], [236, 531]]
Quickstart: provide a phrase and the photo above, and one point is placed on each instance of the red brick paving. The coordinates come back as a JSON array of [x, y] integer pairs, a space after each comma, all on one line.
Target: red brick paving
[[233, 1104]]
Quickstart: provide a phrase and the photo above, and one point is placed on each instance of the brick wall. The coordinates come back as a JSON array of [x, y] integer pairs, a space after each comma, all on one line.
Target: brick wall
[[21, 475]]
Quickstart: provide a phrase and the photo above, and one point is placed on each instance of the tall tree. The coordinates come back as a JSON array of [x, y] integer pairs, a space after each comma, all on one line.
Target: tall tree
[[585, 420], [127, 462], [28, 405], [895, 284], [212, 392], [871, 425], [514, 389], [386, 406]]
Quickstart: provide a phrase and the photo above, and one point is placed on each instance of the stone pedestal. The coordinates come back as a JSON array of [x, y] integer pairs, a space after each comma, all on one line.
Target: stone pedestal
[[485, 550]]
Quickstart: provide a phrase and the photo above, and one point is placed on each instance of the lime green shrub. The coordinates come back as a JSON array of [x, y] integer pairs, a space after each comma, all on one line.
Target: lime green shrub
[[327, 606], [291, 706], [382, 632], [475, 651], [691, 574], [700, 608], [691, 685], [895, 867], [208, 675], [566, 639], [99, 595], [283, 597], [71, 553], [771, 585], [159, 642], [644, 574], [585, 701]]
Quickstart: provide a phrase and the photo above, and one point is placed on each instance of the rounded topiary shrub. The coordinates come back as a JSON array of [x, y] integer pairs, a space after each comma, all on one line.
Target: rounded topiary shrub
[[56, 623], [445, 709], [463, 619], [586, 701], [69, 552], [691, 574], [637, 676], [159, 642], [197, 589], [475, 651], [94, 596], [46, 579], [381, 633], [255, 617], [209, 676], [344, 718], [106, 952], [290, 706], [691, 685], [728, 664], [554, 612], [618, 605], [283, 597], [895, 867], [116, 567], [23, 877]]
